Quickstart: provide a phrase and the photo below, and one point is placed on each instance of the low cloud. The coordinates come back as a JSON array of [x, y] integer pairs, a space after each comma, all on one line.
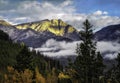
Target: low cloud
[[109, 49], [53, 48], [111, 56], [108, 46]]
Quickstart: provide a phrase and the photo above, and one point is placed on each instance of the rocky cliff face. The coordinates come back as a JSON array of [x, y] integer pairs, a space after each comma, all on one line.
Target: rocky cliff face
[[9, 29], [57, 27]]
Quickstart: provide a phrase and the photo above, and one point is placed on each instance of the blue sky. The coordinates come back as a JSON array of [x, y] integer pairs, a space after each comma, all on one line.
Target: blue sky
[[88, 6], [100, 12], [82, 6]]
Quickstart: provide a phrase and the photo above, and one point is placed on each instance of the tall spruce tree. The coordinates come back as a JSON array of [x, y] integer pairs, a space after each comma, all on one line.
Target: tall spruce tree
[[24, 60], [89, 63]]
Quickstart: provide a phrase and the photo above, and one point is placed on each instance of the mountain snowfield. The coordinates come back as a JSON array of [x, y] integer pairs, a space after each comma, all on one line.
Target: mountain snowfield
[[55, 38]]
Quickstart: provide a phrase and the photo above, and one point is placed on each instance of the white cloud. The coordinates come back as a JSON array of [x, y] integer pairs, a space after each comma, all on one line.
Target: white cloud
[[98, 21], [66, 3], [34, 10], [3, 2], [53, 48], [110, 48], [1, 17], [111, 56], [105, 12], [61, 53], [20, 18], [98, 12]]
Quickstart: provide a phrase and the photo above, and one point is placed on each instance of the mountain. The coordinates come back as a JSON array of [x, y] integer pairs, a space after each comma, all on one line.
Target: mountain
[[35, 34], [11, 30], [109, 33], [57, 27], [54, 26], [4, 23]]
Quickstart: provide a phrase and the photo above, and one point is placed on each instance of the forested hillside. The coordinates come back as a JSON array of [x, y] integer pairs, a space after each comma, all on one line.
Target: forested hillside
[[19, 58]]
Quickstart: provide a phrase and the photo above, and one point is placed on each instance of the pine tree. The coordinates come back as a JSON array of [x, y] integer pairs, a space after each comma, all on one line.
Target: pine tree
[[24, 60], [114, 73], [118, 68], [4, 36], [88, 63]]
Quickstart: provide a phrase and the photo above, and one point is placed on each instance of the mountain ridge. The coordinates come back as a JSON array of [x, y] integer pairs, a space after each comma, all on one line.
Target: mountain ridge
[[4, 23], [58, 30], [109, 33], [55, 26]]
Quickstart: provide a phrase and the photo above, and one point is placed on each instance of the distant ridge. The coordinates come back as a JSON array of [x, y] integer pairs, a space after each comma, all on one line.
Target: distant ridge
[[109, 33]]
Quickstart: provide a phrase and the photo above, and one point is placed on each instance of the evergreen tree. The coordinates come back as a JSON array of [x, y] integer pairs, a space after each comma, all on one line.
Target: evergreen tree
[[24, 60], [118, 68], [89, 63], [4, 36], [114, 73]]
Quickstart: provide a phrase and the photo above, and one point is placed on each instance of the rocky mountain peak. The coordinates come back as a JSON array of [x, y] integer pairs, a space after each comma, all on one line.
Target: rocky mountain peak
[[55, 26]]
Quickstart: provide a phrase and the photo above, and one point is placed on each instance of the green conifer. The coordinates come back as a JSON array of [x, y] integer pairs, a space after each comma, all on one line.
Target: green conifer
[[89, 63]]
